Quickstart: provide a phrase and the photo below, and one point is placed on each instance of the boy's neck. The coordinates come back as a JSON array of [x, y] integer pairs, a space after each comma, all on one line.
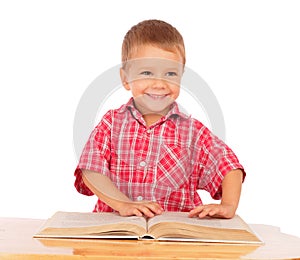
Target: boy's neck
[[150, 119]]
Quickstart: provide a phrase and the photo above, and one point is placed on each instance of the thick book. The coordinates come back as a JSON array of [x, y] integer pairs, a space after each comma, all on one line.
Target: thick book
[[168, 226]]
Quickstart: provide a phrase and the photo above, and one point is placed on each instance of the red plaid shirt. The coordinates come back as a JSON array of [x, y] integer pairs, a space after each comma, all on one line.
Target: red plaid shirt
[[166, 162]]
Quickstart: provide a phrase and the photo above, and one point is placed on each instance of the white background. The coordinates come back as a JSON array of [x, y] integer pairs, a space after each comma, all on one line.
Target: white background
[[247, 51]]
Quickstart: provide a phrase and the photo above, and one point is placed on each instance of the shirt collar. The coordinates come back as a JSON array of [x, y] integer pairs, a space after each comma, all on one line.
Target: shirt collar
[[174, 111]]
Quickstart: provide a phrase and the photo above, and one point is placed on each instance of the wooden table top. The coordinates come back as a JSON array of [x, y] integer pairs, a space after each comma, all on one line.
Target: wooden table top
[[17, 242]]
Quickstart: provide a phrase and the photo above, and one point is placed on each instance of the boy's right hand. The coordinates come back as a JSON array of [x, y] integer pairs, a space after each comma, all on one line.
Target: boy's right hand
[[106, 191], [141, 208]]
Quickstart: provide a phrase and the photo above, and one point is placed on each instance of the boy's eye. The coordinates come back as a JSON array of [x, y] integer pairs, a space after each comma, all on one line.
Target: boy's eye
[[171, 74], [146, 73]]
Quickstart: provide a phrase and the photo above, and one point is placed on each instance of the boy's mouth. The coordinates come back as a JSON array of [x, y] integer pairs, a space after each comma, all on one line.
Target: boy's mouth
[[157, 96], [150, 103]]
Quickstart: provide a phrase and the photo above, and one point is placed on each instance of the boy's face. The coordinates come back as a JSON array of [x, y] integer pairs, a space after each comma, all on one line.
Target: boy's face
[[153, 76]]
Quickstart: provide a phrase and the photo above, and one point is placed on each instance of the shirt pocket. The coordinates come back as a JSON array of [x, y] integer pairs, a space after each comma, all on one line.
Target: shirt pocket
[[173, 166]]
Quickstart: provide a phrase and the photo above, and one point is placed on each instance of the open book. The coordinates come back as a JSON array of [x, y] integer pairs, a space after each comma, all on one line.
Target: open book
[[168, 226]]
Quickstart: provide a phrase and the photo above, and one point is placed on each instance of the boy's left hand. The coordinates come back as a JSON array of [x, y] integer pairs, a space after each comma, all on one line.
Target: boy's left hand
[[213, 210]]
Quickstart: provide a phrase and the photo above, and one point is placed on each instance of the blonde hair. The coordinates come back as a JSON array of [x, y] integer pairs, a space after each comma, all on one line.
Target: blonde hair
[[153, 32]]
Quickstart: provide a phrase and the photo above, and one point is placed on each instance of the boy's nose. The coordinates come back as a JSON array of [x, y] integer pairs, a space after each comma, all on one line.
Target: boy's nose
[[159, 83]]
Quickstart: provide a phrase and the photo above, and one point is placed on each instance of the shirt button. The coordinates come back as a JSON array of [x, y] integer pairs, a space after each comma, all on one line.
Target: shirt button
[[142, 164], [139, 198], [149, 131]]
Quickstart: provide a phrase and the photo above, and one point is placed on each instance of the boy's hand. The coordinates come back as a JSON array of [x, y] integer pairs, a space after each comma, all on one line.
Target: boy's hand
[[213, 210], [146, 208], [231, 190]]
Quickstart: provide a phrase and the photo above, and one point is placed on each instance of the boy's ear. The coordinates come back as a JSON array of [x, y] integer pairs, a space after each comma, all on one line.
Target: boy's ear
[[124, 79]]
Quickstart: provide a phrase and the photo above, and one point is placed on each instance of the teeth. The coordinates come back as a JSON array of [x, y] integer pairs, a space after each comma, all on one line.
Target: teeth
[[156, 96]]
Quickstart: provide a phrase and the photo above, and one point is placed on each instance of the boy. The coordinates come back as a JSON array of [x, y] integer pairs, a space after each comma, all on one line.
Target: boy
[[147, 156]]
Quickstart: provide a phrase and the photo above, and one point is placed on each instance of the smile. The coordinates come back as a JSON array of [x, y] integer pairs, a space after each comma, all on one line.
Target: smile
[[156, 96]]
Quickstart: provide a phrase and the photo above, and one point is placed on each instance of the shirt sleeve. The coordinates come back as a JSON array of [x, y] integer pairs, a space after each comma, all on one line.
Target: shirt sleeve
[[96, 154], [216, 160]]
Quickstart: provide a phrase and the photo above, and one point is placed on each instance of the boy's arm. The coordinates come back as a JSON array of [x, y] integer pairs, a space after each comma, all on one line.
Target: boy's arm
[[107, 192], [231, 191]]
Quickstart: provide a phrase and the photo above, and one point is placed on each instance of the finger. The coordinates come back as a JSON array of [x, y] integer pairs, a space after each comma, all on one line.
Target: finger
[[143, 208], [210, 210], [154, 207], [213, 212], [205, 211], [137, 212], [146, 211], [195, 212]]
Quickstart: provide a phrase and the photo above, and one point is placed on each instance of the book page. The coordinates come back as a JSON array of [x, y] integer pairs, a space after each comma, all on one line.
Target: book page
[[80, 220], [79, 225], [182, 217], [178, 226]]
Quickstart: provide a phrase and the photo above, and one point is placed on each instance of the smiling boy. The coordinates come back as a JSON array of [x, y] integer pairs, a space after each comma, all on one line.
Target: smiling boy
[[147, 156]]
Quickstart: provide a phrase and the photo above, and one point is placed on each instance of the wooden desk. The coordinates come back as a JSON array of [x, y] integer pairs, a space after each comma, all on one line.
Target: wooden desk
[[16, 242]]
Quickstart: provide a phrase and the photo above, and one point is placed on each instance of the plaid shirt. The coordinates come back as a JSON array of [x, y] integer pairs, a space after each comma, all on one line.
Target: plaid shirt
[[166, 162]]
